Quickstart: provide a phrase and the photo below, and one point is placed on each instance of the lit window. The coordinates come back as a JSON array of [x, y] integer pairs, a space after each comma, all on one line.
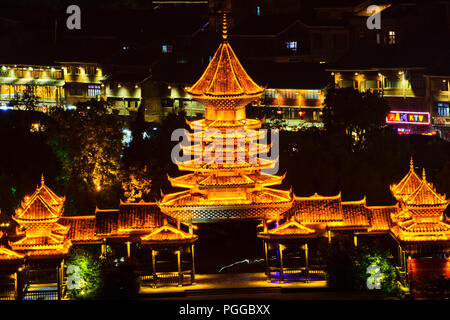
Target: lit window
[[292, 45], [167, 48], [91, 70], [391, 37], [443, 109], [56, 74], [73, 70], [258, 10], [94, 90]]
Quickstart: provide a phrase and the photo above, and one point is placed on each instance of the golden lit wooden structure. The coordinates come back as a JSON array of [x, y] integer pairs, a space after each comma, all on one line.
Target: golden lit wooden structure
[[420, 222], [235, 188], [42, 242], [417, 223], [141, 223]]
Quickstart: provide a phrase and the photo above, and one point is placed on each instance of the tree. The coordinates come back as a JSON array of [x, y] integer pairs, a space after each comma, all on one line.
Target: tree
[[355, 114], [373, 262], [154, 153], [350, 268], [88, 142], [136, 184], [121, 280], [339, 265], [84, 275]]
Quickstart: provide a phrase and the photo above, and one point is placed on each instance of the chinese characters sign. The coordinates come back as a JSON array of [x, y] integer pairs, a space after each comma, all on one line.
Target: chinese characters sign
[[407, 117]]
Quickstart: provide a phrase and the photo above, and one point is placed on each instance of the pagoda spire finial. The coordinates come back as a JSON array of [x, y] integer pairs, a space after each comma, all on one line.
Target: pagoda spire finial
[[42, 179], [424, 176], [411, 163], [224, 27]]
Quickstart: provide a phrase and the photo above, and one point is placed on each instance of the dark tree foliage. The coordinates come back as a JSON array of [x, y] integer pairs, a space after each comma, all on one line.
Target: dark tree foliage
[[25, 156], [154, 153], [355, 114], [87, 278], [331, 161], [347, 267], [120, 279], [319, 161], [88, 143]]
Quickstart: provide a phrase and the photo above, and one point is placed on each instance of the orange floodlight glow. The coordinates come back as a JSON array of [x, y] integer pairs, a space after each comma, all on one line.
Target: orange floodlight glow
[[225, 89]]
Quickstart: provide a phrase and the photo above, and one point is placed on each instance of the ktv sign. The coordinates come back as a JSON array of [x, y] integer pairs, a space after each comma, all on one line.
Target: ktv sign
[[407, 117]]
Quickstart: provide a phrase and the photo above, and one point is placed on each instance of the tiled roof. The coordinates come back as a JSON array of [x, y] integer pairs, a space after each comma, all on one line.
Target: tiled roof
[[355, 213], [401, 215], [224, 76], [416, 232], [106, 222], [316, 209], [36, 210], [186, 198], [38, 223], [417, 227], [407, 185], [168, 233], [289, 229], [81, 228], [48, 253], [129, 219], [425, 195], [380, 217], [133, 216], [6, 254], [424, 211], [45, 241]]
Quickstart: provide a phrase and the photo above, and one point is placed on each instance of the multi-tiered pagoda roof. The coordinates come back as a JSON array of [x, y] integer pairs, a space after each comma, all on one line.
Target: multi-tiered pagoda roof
[[407, 185], [417, 221], [40, 231], [225, 84], [234, 187], [420, 221]]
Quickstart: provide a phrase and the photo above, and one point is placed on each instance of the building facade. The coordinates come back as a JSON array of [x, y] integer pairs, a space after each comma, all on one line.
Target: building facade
[[21, 85], [83, 82], [403, 88], [438, 101]]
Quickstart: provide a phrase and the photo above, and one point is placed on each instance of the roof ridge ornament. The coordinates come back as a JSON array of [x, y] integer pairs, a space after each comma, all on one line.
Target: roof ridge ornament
[[411, 163], [424, 176], [224, 27], [42, 179]]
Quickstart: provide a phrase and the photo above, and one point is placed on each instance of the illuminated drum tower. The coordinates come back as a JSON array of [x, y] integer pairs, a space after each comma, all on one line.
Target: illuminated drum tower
[[228, 189]]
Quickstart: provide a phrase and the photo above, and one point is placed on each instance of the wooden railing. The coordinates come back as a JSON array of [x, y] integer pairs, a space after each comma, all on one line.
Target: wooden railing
[[8, 294], [166, 279], [41, 295]]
